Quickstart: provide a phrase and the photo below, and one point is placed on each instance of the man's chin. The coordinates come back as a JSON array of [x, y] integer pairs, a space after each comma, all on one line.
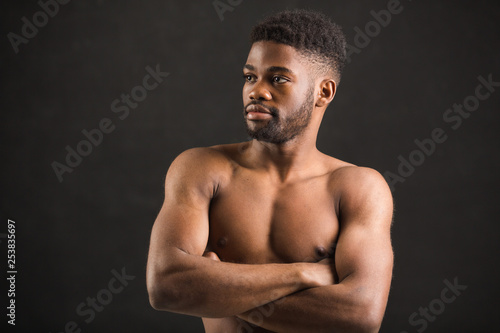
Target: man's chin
[[265, 138], [254, 129], [263, 131]]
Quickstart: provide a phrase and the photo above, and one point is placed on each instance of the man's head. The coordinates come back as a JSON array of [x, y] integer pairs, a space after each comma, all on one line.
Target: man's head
[[313, 34], [294, 65]]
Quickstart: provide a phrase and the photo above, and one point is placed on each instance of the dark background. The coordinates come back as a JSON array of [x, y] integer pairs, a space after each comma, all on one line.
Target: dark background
[[71, 234]]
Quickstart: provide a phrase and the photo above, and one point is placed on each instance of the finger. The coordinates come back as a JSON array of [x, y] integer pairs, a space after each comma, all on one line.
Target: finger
[[211, 255], [326, 261]]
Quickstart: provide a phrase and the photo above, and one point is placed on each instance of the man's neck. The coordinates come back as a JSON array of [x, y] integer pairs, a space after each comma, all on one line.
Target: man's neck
[[290, 160]]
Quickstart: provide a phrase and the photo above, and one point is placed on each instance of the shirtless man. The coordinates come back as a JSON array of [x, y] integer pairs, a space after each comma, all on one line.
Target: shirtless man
[[272, 235]]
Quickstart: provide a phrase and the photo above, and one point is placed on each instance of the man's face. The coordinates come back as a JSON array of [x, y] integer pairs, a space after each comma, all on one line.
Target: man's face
[[278, 94]]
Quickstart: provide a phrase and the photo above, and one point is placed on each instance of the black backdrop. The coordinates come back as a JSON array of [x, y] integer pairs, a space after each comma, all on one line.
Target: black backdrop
[[73, 236]]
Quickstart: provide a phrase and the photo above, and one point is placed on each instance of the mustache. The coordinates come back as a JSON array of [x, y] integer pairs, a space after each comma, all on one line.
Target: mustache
[[272, 110]]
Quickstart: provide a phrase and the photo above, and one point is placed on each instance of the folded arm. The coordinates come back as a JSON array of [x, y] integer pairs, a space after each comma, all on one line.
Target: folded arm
[[180, 279], [363, 261]]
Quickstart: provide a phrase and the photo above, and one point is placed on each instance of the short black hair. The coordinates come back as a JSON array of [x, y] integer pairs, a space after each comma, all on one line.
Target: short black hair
[[311, 33]]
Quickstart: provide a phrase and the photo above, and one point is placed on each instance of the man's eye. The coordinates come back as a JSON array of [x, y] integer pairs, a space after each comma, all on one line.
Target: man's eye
[[279, 79], [248, 78]]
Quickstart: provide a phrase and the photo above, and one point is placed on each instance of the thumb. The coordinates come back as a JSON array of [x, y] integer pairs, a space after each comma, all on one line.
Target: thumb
[[211, 255]]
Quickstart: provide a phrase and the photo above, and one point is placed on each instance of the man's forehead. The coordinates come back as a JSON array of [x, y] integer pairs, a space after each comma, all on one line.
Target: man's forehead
[[272, 56]]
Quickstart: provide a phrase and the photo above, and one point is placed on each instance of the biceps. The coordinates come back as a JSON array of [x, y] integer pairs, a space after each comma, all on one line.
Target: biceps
[[181, 226], [183, 220], [364, 255]]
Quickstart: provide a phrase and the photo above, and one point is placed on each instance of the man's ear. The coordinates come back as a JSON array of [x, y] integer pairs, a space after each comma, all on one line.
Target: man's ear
[[327, 90]]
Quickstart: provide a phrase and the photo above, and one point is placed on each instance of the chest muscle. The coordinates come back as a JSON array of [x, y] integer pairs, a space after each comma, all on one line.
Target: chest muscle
[[254, 222]]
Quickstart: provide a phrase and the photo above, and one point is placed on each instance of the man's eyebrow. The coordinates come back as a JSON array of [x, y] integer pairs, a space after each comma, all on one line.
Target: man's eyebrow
[[279, 69], [271, 69]]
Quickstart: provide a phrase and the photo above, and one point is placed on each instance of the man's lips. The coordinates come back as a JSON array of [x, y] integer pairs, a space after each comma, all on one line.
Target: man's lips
[[257, 112], [257, 108]]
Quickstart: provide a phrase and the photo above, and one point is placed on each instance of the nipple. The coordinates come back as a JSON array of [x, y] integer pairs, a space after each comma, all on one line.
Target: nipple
[[321, 252], [222, 242]]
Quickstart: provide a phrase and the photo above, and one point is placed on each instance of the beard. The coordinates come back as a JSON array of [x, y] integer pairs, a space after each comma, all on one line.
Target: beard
[[279, 130]]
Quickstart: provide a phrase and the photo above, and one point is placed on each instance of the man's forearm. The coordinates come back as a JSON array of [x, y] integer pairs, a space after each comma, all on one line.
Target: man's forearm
[[327, 309], [199, 286]]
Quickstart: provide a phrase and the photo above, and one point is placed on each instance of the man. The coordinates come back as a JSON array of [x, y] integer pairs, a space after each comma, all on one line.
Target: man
[[272, 235]]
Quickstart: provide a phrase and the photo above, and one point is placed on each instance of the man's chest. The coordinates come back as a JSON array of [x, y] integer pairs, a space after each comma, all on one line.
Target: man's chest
[[254, 222]]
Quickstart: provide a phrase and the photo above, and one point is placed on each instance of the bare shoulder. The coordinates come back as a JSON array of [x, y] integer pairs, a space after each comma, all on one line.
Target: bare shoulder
[[208, 164], [361, 191], [210, 158], [352, 177], [200, 157]]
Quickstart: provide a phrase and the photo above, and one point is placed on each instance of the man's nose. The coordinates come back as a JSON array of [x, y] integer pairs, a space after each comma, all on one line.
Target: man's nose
[[260, 92]]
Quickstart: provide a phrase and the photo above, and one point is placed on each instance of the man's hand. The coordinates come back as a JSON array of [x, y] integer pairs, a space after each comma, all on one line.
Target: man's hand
[[321, 274]]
